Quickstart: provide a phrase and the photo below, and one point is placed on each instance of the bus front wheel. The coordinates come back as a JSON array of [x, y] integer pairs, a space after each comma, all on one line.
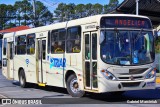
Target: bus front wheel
[[22, 79], [73, 87]]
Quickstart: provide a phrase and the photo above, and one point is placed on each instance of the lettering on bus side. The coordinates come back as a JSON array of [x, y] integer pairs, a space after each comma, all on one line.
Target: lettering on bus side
[[57, 62], [90, 27]]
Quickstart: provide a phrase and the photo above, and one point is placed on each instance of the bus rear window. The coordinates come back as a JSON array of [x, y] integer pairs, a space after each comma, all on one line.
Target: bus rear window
[[125, 22]]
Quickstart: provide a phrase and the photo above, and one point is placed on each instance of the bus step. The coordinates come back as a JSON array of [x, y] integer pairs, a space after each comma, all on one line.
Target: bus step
[[41, 84]]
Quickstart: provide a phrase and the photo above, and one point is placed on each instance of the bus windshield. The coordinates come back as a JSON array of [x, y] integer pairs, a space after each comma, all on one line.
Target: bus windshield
[[127, 47]]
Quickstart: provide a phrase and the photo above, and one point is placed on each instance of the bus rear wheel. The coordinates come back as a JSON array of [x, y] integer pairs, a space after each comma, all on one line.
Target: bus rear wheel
[[73, 87], [22, 79]]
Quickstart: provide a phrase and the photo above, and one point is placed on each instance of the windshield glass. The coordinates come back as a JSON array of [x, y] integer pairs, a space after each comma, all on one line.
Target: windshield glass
[[127, 47]]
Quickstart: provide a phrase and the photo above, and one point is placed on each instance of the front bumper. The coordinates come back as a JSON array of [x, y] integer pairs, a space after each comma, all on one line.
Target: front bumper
[[111, 86]]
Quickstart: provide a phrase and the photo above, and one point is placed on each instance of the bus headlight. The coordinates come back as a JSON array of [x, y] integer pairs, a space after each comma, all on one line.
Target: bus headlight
[[151, 74], [108, 75]]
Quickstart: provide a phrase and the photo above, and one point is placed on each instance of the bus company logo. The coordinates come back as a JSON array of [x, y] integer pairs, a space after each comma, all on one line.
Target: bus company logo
[[90, 27], [131, 77], [57, 62], [27, 61]]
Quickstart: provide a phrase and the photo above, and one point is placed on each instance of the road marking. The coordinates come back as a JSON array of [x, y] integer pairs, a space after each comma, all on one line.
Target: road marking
[[2, 105], [16, 91], [2, 96]]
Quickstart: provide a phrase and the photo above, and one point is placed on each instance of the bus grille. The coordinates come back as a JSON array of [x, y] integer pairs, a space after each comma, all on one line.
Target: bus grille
[[137, 71], [128, 78], [131, 84]]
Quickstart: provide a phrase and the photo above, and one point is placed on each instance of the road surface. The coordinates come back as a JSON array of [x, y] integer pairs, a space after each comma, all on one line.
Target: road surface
[[59, 96]]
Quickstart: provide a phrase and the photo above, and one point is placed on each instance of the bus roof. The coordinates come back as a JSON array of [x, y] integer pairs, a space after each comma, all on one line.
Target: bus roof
[[76, 22]]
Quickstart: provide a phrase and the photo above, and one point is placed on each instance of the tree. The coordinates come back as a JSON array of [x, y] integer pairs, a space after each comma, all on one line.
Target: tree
[[7, 14], [23, 11], [111, 6], [70, 11], [80, 10], [89, 9], [43, 15], [98, 9], [106, 9], [25, 14], [60, 12]]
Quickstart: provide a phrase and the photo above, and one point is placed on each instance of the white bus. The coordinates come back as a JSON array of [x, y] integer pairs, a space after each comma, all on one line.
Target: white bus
[[103, 53]]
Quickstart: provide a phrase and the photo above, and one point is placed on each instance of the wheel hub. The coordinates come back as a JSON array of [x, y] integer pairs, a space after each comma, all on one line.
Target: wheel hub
[[74, 86]]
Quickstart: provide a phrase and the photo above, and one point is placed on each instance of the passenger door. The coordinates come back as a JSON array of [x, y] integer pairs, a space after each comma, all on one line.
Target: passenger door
[[41, 51], [90, 60], [10, 60]]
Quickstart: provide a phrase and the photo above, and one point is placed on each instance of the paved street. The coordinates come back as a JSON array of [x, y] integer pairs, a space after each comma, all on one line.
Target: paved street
[[9, 90]]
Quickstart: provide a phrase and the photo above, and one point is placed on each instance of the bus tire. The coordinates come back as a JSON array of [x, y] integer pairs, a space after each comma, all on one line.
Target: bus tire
[[72, 86], [22, 79]]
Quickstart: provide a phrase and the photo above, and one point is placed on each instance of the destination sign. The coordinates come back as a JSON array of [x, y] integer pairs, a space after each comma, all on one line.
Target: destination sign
[[125, 22]]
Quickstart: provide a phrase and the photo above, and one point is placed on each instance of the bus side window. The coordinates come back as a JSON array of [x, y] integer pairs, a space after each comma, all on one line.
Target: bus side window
[[94, 46], [61, 42], [49, 42], [58, 41], [31, 44], [54, 41], [15, 50], [11, 50], [4, 46], [74, 40], [21, 45], [87, 47]]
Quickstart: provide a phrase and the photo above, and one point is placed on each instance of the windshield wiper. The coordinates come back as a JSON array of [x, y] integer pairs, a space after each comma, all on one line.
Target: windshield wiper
[[117, 34], [139, 35]]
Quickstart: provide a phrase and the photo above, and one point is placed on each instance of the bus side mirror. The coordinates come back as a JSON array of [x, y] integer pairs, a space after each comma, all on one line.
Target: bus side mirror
[[155, 34], [158, 33], [1, 36], [102, 37]]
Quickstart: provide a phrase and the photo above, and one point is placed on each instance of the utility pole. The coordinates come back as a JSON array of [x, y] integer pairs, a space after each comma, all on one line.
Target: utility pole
[[137, 7], [25, 16], [35, 14]]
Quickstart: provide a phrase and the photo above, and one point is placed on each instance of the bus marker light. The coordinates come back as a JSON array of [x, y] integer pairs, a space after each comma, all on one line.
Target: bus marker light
[[152, 72], [80, 79], [107, 74], [79, 74], [57, 73], [103, 70], [41, 84]]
